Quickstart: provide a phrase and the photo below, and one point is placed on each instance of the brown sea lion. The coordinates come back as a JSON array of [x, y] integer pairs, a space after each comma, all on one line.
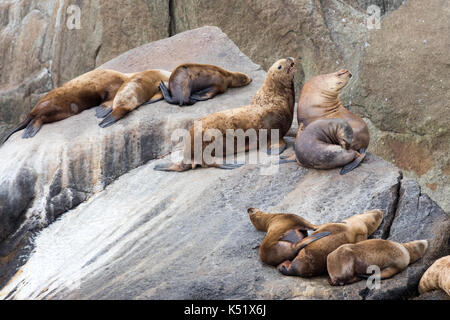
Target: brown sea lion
[[139, 88], [436, 277], [272, 107], [192, 82], [319, 99], [83, 92], [286, 235], [94, 88], [312, 260], [349, 263], [325, 144]]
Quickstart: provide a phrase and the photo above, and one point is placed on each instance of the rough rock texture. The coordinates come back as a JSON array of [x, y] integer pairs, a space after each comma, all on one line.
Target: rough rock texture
[[38, 51], [163, 235], [159, 235], [69, 160], [401, 82]]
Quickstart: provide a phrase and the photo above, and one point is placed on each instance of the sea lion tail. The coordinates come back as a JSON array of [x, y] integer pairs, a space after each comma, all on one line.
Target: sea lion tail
[[21, 126], [310, 239], [352, 165]]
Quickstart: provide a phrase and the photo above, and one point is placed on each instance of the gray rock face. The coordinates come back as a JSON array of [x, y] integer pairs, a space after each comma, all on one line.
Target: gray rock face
[[130, 232], [69, 160]]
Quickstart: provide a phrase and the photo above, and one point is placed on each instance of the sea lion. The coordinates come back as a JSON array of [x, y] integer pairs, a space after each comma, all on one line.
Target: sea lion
[[192, 82], [319, 99], [94, 88], [312, 260], [139, 88], [325, 144], [83, 92], [286, 235], [348, 263], [436, 277], [272, 107]]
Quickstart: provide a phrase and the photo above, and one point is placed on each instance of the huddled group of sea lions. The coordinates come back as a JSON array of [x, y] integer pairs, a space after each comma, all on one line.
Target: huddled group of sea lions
[[329, 136]]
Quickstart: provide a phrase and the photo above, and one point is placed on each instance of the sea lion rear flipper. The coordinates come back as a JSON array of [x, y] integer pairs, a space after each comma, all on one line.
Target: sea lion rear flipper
[[310, 239], [102, 111], [352, 165], [166, 94], [21, 126], [32, 128], [109, 120], [169, 166]]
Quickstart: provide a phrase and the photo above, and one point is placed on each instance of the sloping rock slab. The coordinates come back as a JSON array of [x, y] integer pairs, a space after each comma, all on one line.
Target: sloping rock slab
[[161, 235], [68, 161]]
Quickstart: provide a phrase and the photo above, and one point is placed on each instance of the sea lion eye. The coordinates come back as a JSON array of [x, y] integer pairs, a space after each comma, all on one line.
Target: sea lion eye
[[279, 67]]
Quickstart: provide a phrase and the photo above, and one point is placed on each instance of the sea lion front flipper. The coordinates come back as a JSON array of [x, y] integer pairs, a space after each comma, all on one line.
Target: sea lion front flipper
[[292, 236], [310, 239], [287, 159], [277, 148], [157, 97], [32, 128], [204, 94], [352, 165]]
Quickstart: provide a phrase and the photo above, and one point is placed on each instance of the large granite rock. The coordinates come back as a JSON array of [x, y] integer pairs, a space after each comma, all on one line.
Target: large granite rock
[[134, 233], [68, 161]]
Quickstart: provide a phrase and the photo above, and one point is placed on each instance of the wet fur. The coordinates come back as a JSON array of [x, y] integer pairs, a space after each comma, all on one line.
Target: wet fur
[[350, 260], [193, 82]]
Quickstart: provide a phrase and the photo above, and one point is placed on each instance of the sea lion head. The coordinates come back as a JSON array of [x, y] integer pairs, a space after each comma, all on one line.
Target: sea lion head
[[240, 79], [331, 83], [258, 218], [416, 249], [372, 219], [282, 71]]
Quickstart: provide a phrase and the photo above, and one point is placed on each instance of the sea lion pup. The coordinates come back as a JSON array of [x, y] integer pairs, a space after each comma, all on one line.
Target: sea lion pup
[[139, 88], [436, 277], [192, 82], [312, 260], [348, 263], [319, 99], [272, 107], [286, 235], [325, 144], [83, 92]]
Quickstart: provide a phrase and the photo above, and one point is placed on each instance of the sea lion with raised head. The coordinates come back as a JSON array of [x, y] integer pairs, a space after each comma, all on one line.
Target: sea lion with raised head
[[192, 82], [325, 144], [140, 88], [286, 235], [349, 263], [272, 107], [437, 277], [312, 260], [319, 99]]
